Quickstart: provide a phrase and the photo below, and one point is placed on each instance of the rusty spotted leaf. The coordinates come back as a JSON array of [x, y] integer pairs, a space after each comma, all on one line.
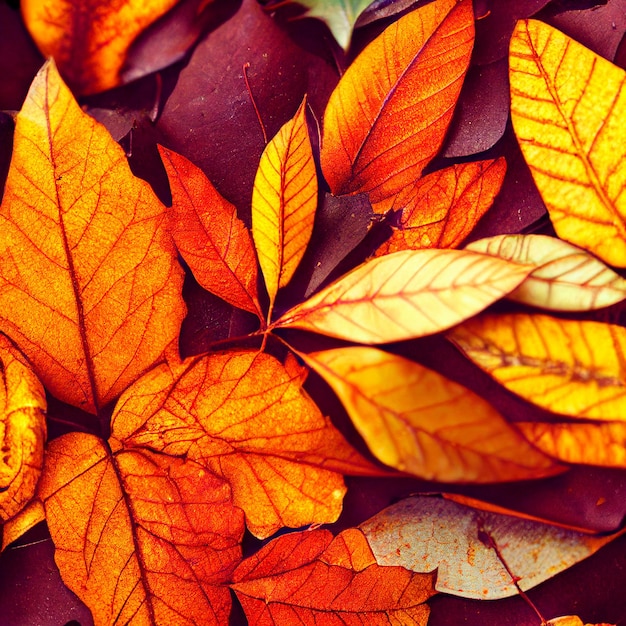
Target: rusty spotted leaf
[[566, 278], [571, 367], [442, 208], [406, 294], [311, 578], [213, 241], [89, 39], [140, 537], [244, 416], [90, 287], [425, 532], [284, 199], [568, 105], [426, 424], [22, 430], [389, 113]]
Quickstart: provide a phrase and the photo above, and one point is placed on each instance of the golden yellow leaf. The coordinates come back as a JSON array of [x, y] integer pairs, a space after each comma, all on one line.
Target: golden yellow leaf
[[243, 415], [29, 516], [571, 620], [420, 422], [390, 111], [90, 287], [571, 367], [22, 430], [89, 39], [284, 199], [568, 106], [406, 294]]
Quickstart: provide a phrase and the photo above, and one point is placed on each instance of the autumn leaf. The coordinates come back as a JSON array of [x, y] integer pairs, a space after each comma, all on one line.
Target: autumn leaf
[[441, 209], [22, 430], [284, 200], [138, 536], [565, 366], [568, 107], [311, 578], [89, 40], [406, 294], [213, 241], [420, 422], [566, 278], [424, 533], [571, 620], [31, 515], [244, 416], [390, 111], [90, 287]]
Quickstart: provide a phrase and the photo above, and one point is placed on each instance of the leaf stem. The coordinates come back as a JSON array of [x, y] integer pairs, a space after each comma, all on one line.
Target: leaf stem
[[246, 65]]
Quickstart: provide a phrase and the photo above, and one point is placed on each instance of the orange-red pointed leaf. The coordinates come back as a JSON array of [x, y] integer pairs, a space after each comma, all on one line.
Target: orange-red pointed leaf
[[389, 113], [441, 209], [420, 422], [213, 241], [284, 199], [406, 294], [571, 620], [140, 537], [311, 578], [90, 287], [244, 416], [568, 105]]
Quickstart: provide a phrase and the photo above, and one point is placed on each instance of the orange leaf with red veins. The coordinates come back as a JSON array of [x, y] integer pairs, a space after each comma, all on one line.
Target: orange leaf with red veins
[[213, 241], [311, 578], [441, 209], [243, 415], [90, 287], [284, 199], [89, 39], [140, 537], [388, 115], [405, 295]]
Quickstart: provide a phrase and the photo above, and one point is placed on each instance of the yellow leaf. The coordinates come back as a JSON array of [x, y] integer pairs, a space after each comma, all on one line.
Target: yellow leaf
[[568, 107], [390, 111], [406, 294], [29, 516], [420, 422], [575, 368], [284, 199], [566, 278]]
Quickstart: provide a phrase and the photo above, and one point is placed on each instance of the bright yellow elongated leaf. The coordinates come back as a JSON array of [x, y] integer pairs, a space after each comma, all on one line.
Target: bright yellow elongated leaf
[[575, 368], [389, 113], [22, 430], [568, 107], [406, 294], [244, 416], [284, 199], [566, 278], [420, 422]]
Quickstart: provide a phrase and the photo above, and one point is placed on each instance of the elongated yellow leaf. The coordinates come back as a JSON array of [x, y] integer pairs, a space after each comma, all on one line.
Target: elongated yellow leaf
[[406, 294], [284, 200], [420, 422], [568, 107], [571, 367], [566, 278]]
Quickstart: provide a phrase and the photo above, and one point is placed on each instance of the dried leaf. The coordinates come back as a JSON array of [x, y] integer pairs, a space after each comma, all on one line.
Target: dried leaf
[[90, 287], [140, 537], [311, 578], [424, 533], [567, 106], [420, 422], [566, 278], [442, 208], [406, 294], [213, 241], [244, 416], [284, 200], [565, 366], [389, 113], [89, 39]]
